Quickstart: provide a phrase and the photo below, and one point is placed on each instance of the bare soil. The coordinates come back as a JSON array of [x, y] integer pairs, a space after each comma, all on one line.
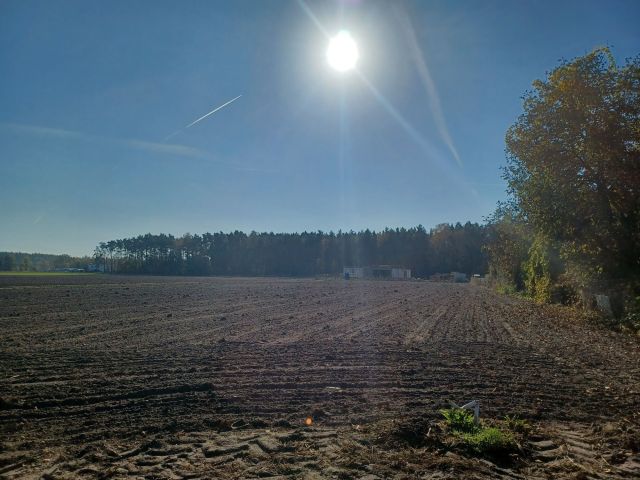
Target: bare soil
[[160, 377]]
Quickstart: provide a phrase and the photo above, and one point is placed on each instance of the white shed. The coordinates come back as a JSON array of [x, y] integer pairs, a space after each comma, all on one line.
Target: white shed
[[377, 271], [400, 273], [353, 272]]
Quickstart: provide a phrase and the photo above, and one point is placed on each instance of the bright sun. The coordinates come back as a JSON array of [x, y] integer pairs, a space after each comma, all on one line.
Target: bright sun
[[342, 53]]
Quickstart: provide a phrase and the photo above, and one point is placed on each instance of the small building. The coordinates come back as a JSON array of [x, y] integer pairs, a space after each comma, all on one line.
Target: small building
[[377, 271], [353, 272]]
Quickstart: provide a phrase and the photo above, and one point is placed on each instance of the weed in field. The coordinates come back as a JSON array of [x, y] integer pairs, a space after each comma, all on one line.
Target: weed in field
[[489, 441], [479, 439], [459, 419]]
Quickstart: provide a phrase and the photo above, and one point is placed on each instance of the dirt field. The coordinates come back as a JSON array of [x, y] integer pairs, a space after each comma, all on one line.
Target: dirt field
[[151, 377]]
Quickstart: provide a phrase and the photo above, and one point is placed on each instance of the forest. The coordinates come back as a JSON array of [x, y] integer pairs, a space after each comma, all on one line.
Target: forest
[[445, 248], [39, 262]]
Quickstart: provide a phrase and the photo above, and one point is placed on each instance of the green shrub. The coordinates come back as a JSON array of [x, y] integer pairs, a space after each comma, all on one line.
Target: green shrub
[[541, 269], [489, 441], [459, 420], [479, 439], [506, 289]]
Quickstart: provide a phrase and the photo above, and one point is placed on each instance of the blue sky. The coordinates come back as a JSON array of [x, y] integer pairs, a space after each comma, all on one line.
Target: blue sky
[[90, 89]]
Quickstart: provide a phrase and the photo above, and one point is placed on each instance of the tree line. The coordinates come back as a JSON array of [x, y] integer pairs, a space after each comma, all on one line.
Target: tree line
[[445, 248], [39, 262], [571, 225]]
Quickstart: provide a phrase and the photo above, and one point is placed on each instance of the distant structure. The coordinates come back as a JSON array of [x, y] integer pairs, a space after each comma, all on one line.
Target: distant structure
[[388, 272]]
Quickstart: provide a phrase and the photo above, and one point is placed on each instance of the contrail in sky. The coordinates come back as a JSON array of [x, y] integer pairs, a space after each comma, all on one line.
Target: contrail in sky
[[202, 117]]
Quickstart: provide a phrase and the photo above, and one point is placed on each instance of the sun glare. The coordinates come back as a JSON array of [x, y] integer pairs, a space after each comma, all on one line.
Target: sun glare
[[342, 53]]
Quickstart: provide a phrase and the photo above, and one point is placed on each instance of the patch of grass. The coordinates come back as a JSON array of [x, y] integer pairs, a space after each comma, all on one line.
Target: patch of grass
[[489, 441], [459, 419], [479, 439]]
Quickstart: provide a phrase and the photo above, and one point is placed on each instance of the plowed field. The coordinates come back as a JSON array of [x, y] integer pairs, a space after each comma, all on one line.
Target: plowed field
[[108, 377]]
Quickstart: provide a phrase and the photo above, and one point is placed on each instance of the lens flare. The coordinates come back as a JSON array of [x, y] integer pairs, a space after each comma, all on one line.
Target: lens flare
[[342, 53]]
